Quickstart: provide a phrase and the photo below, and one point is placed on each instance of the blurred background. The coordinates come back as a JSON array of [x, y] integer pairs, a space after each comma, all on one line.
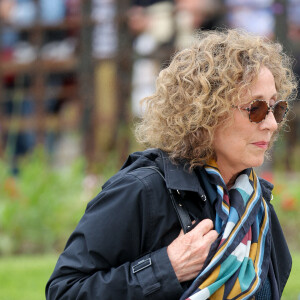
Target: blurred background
[[72, 73]]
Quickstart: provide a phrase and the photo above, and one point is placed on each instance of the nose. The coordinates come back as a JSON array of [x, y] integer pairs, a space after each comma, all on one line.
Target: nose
[[269, 122]]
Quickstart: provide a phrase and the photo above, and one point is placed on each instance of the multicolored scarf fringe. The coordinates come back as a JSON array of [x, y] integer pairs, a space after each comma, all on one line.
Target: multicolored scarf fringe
[[238, 260]]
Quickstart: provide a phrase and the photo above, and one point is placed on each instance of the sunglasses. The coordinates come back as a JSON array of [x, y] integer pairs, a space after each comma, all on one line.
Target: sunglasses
[[259, 109]]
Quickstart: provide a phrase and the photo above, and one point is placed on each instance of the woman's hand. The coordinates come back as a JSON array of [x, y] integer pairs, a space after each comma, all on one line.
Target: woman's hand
[[188, 252]]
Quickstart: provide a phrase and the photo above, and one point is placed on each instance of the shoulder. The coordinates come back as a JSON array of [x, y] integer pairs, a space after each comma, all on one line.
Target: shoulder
[[142, 176], [134, 186], [148, 174]]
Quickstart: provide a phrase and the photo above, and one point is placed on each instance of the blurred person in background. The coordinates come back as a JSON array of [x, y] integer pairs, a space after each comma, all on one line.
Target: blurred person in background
[[195, 14], [158, 28], [151, 25], [241, 13], [189, 218]]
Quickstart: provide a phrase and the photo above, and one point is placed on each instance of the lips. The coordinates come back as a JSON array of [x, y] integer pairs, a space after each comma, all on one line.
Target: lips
[[261, 144]]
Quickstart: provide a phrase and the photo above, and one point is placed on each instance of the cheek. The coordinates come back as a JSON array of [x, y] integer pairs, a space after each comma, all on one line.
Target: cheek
[[243, 130], [234, 143], [233, 139], [224, 140]]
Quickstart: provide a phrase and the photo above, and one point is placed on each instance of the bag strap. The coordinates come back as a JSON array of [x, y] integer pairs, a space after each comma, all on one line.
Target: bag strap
[[181, 211]]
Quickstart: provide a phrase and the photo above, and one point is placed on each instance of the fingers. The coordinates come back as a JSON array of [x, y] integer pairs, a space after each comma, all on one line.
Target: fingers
[[204, 227], [211, 236], [204, 232]]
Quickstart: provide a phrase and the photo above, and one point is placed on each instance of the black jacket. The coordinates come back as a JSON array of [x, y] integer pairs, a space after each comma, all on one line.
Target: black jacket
[[118, 249]]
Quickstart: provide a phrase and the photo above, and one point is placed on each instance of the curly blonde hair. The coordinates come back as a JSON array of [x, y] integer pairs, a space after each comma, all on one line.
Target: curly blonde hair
[[195, 93]]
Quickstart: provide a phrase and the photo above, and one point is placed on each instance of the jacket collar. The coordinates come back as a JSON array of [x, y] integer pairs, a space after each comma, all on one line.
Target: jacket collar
[[179, 177], [266, 188]]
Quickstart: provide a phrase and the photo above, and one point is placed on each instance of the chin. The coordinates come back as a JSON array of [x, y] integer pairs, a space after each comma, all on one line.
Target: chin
[[258, 162]]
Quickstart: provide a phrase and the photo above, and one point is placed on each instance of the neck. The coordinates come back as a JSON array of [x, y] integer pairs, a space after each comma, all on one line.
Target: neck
[[228, 174], [231, 182]]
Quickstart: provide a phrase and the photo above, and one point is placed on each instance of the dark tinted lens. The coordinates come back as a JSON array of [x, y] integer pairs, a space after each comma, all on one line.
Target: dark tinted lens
[[280, 110], [258, 111]]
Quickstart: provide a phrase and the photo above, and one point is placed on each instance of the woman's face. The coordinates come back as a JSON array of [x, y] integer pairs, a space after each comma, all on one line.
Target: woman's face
[[243, 144]]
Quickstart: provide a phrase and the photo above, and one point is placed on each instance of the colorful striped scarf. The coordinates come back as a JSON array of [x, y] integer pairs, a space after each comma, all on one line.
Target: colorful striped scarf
[[239, 259]]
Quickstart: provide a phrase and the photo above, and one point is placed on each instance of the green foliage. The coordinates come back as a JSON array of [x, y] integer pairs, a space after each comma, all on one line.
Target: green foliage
[[285, 157], [25, 277], [41, 206], [292, 288], [286, 202]]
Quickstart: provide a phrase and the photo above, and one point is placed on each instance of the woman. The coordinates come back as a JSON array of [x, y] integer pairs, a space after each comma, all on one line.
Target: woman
[[216, 112]]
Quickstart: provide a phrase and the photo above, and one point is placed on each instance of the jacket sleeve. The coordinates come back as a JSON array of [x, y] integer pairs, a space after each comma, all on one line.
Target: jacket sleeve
[[105, 256]]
